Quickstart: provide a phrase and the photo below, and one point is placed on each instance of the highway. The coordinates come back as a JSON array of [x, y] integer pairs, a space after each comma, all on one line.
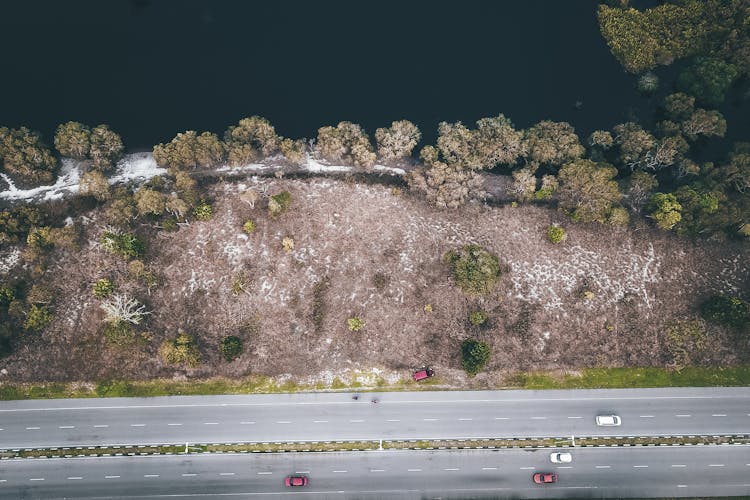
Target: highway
[[399, 415], [594, 472]]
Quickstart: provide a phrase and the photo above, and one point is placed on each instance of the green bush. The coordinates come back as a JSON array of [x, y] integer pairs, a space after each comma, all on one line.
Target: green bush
[[37, 318], [203, 210], [279, 203], [181, 350], [103, 288], [556, 234], [475, 270], [119, 333], [355, 324], [478, 318], [544, 194], [7, 295], [231, 347], [726, 310], [124, 244], [708, 80], [249, 226], [475, 356]]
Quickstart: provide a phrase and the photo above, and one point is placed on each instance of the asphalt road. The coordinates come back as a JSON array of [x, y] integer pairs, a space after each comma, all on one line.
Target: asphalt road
[[404, 415], [594, 472]]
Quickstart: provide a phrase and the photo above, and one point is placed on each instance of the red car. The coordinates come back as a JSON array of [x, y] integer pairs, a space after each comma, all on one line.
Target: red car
[[423, 373], [545, 477], [295, 481]]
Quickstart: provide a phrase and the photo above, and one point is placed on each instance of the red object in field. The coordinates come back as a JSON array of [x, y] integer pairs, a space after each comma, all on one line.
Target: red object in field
[[423, 373]]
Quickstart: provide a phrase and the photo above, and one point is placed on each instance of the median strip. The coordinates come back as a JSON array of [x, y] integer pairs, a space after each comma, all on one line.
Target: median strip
[[366, 445]]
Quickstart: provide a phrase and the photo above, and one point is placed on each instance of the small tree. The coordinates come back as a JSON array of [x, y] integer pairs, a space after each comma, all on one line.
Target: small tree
[[106, 147], [231, 347], [556, 234], [475, 270], [203, 211], [355, 324], [726, 310], [475, 355], [346, 142], [248, 227], [93, 183], [38, 317], [121, 308], [478, 318], [665, 210], [181, 351], [72, 140], [279, 203], [103, 288], [398, 141]]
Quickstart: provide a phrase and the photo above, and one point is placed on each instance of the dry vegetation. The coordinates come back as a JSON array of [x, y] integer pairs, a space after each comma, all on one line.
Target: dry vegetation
[[603, 297]]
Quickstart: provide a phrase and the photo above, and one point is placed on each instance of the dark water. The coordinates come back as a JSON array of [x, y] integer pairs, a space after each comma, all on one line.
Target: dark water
[[154, 68]]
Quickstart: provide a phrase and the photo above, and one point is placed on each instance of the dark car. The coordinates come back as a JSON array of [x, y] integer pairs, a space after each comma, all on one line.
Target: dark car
[[545, 477], [423, 373], [295, 481]]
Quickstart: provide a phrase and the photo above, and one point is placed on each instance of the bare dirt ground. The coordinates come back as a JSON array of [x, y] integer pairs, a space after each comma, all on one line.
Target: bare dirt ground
[[362, 250]]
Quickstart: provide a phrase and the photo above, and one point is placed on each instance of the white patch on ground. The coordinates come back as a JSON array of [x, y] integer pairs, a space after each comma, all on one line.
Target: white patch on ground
[[9, 260], [548, 280], [389, 170], [137, 167], [67, 182], [314, 165]]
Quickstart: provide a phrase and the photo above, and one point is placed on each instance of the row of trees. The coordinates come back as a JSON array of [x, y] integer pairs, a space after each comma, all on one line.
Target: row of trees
[[254, 138], [28, 161]]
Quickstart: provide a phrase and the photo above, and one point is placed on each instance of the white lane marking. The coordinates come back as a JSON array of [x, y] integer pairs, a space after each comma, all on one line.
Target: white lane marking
[[719, 415], [429, 419], [465, 419], [575, 417], [538, 418], [414, 470], [646, 416], [3, 480], [66, 427], [226, 473], [564, 467], [336, 403], [265, 473], [246, 423], [151, 475], [32, 428], [320, 421], [603, 466], [356, 421], [174, 424], [451, 469], [679, 465], [489, 468], [36, 479], [339, 471], [377, 470], [682, 485], [526, 468], [716, 465], [683, 416], [101, 426], [640, 466], [283, 422], [111, 477], [393, 420], [137, 425], [189, 475], [75, 477], [210, 423], [502, 418], [302, 472]]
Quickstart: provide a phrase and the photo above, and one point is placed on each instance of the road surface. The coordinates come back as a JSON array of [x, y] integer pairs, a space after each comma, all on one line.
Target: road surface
[[400, 415], [594, 472]]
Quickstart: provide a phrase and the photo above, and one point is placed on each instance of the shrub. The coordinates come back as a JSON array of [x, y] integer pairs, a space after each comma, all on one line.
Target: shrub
[[355, 324], [556, 234], [249, 226], [181, 351], [119, 333], [124, 244], [7, 295], [685, 340], [475, 356], [38, 317], [726, 310], [279, 203], [240, 283], [475, 270], [203, 210], [121, 308], [288, 244], [428, 308], [103, 288], [478, 318], [231, 347]]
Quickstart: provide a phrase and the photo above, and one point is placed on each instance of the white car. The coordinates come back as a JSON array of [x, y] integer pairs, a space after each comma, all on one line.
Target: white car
[[561, 458], [608, 420]]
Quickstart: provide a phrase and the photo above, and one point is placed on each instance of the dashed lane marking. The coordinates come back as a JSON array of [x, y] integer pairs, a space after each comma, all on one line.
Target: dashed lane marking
[[246, 423], [489, 468], [451, 469], [356, 421], [646, 416], [679, 465], [151, 475], [302, 472], [603, 466], [465, 419], [683, 416], [564, 467], [36, 479], [575, 417], [340, 471], [414, 470], [716, 465], [189, 474], [640, 466], [101, 426], [66, 427], [393, 420], [538, 418], [283, 422], [682, 485], [174, 424], [502, 418], [32, 428], [72, 478], [429, 419], [377, 470], [264, 473], [137, 425], [111, 477], [320, 421], [526, 468], [719, 415], [210, 423], [227, 473]]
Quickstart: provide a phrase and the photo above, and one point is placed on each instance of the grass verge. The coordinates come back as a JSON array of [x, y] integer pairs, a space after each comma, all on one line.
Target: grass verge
[[590, 378]]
